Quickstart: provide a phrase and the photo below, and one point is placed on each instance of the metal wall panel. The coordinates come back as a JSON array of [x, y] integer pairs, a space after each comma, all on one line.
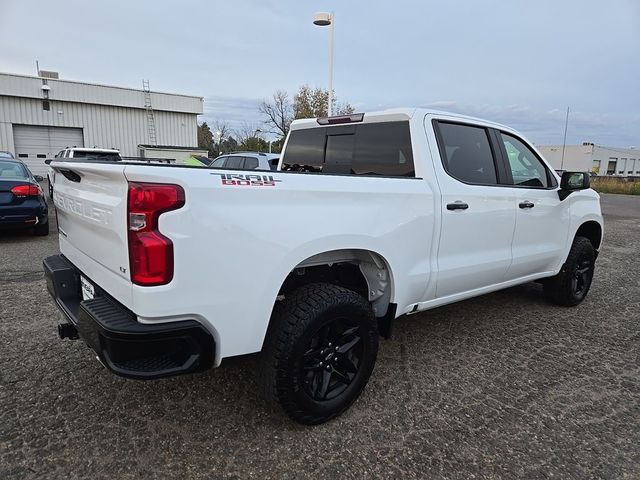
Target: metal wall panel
[[103, 126], [6, 137], [69, 91]]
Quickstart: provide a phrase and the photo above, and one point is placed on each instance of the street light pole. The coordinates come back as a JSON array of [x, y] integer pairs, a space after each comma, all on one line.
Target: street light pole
[[323, 19], [267, 131], [219, 135], [564, 142]]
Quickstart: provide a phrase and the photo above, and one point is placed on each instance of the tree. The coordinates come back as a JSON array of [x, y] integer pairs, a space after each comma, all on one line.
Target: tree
[[248, 138], [205, 138], [308, 102], [278, 112], [228, 144], [312, 103], [220, 129], [217, 138]]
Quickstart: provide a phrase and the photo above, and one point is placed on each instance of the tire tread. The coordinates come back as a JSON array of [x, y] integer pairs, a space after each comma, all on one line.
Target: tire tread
[[290, 319]]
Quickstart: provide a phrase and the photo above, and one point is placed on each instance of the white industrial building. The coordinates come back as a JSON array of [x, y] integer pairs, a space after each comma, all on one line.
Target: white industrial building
[[39, 116], [588, 157]]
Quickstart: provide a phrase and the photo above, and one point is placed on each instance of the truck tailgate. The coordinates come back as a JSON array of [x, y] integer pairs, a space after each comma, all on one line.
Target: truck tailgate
[[91, 202]]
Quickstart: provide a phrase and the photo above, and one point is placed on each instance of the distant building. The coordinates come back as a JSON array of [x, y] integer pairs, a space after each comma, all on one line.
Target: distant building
[[39, 116], [589, 157]]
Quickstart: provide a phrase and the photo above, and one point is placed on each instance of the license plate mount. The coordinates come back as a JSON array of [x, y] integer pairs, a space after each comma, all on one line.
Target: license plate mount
[[87, 289]]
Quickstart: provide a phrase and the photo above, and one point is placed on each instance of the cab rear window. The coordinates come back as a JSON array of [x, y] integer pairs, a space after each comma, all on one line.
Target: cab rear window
[[364, 149], [108, 156]]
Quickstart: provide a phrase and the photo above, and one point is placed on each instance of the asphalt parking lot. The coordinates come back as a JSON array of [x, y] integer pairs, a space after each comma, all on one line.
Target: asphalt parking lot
[[503, 385]]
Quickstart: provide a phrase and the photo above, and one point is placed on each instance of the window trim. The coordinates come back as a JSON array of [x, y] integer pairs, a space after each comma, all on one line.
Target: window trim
[[507, 166], [497, 164]]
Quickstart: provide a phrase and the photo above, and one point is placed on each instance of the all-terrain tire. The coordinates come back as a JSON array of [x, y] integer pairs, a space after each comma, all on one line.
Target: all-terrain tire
[[298, 355], [571, 285]]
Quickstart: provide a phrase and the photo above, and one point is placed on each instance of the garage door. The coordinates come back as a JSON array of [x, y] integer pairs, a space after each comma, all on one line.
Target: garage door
[[35, 144]]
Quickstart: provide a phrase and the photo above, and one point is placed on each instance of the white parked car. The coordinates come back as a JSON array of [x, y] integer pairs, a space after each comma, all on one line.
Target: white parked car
[[101, 154], [246, 161], [369, 217]]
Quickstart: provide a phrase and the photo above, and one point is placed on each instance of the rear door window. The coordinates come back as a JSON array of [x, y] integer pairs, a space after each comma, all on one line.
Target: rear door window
[[234, 162], [466, 153], [250, 163], [364, 149]]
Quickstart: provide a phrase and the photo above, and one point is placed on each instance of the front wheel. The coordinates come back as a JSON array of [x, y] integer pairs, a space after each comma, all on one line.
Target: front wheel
[[571, 285], [319, 352]]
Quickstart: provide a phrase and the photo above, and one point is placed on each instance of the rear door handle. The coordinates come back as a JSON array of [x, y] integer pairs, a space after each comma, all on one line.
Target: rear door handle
[[526, 204], [457, 206]]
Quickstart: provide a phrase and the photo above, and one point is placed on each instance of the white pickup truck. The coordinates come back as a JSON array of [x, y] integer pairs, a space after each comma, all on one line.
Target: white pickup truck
[[110, 154], [168, 269]]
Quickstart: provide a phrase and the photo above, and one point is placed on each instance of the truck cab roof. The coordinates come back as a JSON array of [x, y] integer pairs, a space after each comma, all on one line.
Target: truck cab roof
[[388, 115]]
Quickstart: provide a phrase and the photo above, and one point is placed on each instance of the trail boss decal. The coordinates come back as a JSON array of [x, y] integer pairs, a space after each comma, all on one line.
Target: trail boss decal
[[247, 180]]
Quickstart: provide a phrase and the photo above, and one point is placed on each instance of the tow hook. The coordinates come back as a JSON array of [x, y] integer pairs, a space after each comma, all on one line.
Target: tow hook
[[66, 330]]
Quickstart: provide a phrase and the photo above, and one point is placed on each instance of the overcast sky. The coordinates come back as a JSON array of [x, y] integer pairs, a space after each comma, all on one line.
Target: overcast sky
[[513, 61]]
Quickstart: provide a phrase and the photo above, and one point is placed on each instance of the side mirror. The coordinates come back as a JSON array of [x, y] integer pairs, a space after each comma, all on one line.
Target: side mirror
[[572, 181], [48, 161], [38, 178]]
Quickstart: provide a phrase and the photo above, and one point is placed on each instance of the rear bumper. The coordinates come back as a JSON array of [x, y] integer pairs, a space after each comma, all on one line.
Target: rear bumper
[[125, 346], [27, 214]]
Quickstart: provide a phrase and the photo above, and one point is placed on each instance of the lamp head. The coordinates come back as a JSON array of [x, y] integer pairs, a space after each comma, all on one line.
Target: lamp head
[[322, 19]]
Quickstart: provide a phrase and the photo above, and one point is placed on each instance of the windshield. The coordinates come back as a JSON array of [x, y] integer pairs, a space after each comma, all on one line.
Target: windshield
[[12, 171]]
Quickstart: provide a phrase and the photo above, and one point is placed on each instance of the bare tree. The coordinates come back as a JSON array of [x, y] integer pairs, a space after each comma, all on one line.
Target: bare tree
[[308, 102], [278, 112], [221, 128], [249, 137], [245, 132]]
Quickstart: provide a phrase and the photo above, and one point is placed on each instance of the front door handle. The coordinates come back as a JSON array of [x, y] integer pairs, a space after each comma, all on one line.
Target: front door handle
[[526, 204], [457, 206]]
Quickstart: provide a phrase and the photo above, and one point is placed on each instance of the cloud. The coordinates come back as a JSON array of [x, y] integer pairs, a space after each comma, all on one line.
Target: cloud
[[234, 111], [546, 126]]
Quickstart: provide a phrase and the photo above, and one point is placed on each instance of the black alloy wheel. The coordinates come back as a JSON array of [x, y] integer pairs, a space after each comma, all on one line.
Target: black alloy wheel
[[582, 274], [332, 360]]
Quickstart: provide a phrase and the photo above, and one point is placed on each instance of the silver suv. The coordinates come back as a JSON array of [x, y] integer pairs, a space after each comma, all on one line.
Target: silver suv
[[247, 161]]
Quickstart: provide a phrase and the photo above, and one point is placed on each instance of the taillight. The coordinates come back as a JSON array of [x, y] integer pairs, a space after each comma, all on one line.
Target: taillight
[[150, 252], [26, 190]]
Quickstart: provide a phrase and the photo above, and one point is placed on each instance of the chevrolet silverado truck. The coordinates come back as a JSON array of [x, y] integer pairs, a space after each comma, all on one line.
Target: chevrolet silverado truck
[[168, 270]]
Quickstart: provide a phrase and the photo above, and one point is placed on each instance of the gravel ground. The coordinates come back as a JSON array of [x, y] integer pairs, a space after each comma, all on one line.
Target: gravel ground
[[503, 385]]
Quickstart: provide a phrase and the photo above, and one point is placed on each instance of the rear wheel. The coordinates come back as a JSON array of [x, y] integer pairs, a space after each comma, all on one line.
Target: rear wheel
[[571, 285], [320, 352]]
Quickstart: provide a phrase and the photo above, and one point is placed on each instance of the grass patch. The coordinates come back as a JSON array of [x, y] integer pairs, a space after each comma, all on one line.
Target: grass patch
[[615, 185]]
